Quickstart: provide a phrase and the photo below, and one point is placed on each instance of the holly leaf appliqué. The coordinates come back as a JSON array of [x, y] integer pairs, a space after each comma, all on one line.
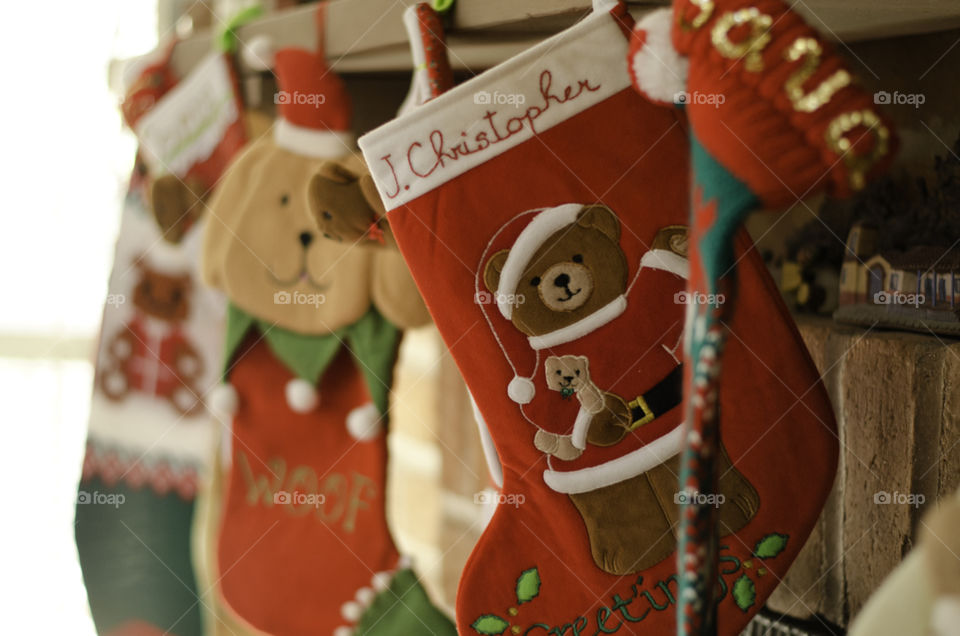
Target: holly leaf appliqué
[[770, 546], [490, 624], [528, 585], [744, 592]]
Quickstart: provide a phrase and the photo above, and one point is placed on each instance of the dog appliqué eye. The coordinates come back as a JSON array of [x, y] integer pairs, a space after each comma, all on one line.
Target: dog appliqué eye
[[535, 281], [577, 372], [577, 258], [284, 199]]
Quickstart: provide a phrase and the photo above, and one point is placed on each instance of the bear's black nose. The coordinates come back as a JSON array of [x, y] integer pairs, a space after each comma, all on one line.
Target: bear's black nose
[[568, 378], [562, 280], [306, 238]]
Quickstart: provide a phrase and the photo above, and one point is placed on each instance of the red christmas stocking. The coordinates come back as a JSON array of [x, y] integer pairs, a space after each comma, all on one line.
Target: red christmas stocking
[[553, 200], [303, 544]]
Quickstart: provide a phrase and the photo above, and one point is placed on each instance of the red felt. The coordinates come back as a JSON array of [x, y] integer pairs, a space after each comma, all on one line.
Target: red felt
[[288, 570], [777, 422]]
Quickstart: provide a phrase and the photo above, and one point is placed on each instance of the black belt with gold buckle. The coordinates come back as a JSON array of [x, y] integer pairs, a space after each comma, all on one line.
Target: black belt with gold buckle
[[665, 395]]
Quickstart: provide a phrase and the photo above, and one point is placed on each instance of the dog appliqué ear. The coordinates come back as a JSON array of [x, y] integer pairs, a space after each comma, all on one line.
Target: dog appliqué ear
[[493, 269], [602, 218]]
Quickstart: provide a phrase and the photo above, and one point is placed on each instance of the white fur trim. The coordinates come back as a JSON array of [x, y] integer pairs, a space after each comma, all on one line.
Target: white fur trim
[[486, 443], [604, 5], [582, 327], [580, 428], [667, 261], [945, 616], [659, 72], [302, 397], [363, 422], [543, 226], [223, 402], [594, 50], [318, 144], [521, 390], [620, 469], [343, 630], [167, 258], [258, 53]]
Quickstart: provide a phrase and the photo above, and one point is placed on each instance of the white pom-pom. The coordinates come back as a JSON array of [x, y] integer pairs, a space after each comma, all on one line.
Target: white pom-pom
[[343, 631], [365, 596], [351, 611], [659, 72], [381, 581], [302, 396], [363, 422], [521, 390], [223, 401], [258, 53]]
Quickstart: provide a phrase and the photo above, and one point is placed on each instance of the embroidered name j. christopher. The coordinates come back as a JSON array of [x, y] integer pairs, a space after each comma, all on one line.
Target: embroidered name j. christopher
[[424, 157]]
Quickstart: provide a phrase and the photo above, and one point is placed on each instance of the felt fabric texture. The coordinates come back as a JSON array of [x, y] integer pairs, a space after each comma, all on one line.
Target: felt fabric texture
[[404, 608], [535, 567], [303, 525], [345, 186]]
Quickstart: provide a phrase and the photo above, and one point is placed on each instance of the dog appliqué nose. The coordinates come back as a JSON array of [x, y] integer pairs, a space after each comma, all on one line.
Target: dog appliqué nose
[[305, 238], [562, 280]]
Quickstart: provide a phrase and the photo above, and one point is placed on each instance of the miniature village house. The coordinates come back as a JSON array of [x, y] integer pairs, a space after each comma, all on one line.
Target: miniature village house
[[915, 289]]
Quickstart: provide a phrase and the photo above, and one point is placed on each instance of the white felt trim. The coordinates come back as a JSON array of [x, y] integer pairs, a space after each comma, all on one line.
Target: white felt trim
[[667, 261], [580, 428], [421, 79], [486, 443], [945, 616], [403, 154], [582, 327], [318, 144], [619, 469], [659, 72], [167, 258], [542, 227]]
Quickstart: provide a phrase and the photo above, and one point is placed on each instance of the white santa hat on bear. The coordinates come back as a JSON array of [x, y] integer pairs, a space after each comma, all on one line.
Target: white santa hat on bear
[[545, 224], [534, 235]]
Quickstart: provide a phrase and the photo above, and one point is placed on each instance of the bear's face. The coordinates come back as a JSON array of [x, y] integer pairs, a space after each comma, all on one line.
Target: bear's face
[[263, 250], [574, 273], [567, 373], [162, 296]]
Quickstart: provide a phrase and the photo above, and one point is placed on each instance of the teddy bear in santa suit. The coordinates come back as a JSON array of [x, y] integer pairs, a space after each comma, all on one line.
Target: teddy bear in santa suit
[[602, 382]]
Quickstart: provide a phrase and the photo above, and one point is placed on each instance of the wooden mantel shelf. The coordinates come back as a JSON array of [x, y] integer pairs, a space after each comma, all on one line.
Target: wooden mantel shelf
[[368, 35]]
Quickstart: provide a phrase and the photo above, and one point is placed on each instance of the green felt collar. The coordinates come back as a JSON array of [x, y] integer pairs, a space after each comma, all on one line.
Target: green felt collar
[[372, 341]]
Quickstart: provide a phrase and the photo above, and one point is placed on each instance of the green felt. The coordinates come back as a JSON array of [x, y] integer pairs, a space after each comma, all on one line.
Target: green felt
[[372, 340], [227, 40], [404, 608]]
